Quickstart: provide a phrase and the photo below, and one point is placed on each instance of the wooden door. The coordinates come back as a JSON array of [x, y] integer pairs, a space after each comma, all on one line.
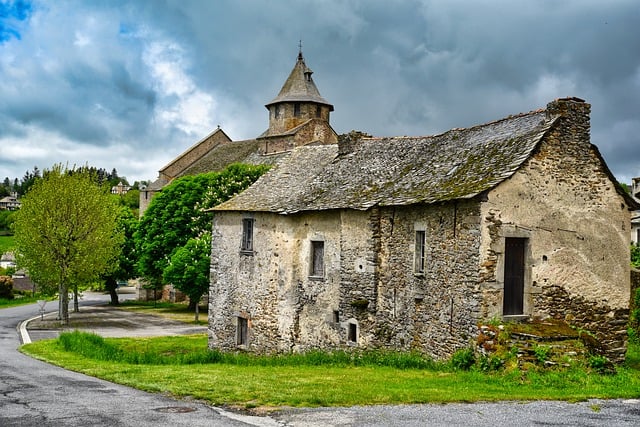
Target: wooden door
[[513, 302]]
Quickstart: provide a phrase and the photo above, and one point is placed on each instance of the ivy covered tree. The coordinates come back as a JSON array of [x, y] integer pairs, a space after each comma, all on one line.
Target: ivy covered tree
[[188, 269], [179, 213], [65, 232]]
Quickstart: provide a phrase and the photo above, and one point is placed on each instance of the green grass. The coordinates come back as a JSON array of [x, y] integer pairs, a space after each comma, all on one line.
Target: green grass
[[6, 244], [19, 300], [314, 379], [175, 311]]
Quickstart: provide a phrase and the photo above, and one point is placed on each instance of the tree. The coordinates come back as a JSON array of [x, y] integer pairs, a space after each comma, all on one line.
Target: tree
[[65, 232], [179, 213], [635, 255], [126, 224], [188, 269]]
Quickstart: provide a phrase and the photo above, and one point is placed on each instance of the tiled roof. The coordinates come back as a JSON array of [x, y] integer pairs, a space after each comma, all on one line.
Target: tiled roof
[[299, 86], [222, 156], [458, 164]]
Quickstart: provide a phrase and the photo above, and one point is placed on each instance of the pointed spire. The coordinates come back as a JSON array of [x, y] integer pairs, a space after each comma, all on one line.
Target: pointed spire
[[299, 86]]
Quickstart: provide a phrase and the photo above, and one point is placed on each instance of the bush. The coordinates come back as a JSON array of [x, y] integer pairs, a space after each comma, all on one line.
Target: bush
[[542, 353], [463, 359], [601, 364], [6, 287]]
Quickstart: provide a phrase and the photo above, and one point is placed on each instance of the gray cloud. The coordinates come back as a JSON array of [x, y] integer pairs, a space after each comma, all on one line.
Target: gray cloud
[[153, 77]]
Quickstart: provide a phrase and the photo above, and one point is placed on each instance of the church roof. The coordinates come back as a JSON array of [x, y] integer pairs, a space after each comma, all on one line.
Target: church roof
[[458, 164], [299, 86]]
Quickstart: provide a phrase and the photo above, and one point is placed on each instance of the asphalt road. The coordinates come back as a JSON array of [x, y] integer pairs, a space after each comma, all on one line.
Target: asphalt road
[[34, 393]]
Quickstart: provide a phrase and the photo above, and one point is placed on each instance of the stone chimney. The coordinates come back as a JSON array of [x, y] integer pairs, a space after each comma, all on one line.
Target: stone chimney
[[348, 142], [575, 115]]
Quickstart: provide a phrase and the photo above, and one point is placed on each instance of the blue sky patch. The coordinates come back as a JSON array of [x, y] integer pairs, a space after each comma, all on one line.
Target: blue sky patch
[[10, 13]]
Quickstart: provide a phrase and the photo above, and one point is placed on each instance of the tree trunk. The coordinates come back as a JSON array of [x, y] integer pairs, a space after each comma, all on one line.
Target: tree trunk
[[63, 307], [111, 285], [197, 311], [76, 307]]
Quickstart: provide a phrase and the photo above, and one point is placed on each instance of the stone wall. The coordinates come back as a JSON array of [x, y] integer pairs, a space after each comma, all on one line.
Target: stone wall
[[565, 204], [286, 119], [192, 154], [436, 312], [315, 131], [286, 308], [609, 325]]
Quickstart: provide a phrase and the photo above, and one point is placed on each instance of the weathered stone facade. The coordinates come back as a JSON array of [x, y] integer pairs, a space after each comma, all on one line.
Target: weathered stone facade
[[383, 209]]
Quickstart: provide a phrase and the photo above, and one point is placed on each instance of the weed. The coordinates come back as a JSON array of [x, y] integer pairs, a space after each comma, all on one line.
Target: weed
[[542, 353], [601, 364], [463, 360]]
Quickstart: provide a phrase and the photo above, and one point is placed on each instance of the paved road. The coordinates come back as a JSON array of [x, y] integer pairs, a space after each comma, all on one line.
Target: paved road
[[33, 393]]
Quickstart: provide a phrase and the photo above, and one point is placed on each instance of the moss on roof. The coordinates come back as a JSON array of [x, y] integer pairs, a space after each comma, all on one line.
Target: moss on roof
[[457, 164]]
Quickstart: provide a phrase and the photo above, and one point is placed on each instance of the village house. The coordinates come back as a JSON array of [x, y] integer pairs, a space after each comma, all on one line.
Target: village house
[[411, 242], [10, 202]]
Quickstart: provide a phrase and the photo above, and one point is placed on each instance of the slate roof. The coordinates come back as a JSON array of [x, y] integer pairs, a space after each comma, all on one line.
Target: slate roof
[[458, 164], [299, 86]]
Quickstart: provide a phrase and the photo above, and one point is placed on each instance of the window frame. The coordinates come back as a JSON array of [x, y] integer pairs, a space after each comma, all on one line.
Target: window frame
[[317, 269], [247, 242], [420, 253]]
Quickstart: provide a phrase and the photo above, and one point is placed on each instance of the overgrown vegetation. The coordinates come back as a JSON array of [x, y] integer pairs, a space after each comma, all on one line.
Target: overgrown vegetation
[[635, 255]]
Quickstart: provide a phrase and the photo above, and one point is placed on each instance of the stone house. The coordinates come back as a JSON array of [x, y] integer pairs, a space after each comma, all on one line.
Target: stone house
[[410, 242], [299, 115]]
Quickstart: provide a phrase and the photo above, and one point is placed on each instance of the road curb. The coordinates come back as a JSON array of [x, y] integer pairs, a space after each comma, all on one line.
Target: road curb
[[23, 332]]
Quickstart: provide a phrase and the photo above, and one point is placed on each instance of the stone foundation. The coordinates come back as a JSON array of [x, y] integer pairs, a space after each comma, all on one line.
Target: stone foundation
[[608, 325]]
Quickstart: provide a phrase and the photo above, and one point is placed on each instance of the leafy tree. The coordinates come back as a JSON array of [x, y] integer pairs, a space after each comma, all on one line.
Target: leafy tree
[[188, 269], [6, 219], [65, 232], [179, 213], [126, 224], [635, 255]]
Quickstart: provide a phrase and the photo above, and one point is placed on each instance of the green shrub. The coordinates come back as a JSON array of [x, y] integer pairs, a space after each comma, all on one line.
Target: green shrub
[[601, 364], [490, 363], [6, 287], [463, 360], [542, 353]]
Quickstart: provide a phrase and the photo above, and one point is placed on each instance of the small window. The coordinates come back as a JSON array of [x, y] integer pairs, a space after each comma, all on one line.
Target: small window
[[420, 251], [276, 111], [318, 111], [317, 258], [336, 316], [296, 109], [247, 235], [242, 331], [352, 332]]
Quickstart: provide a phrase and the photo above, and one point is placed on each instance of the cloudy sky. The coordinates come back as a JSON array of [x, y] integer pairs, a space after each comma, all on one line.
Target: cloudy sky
[[131, 84]]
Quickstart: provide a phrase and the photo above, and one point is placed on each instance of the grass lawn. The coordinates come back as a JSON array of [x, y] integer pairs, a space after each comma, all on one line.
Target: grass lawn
[[175, 311], [6, 244], [270, 382], [20, 300]]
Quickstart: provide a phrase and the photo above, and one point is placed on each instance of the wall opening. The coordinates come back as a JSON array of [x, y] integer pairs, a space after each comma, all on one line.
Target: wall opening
[[242, 331]]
